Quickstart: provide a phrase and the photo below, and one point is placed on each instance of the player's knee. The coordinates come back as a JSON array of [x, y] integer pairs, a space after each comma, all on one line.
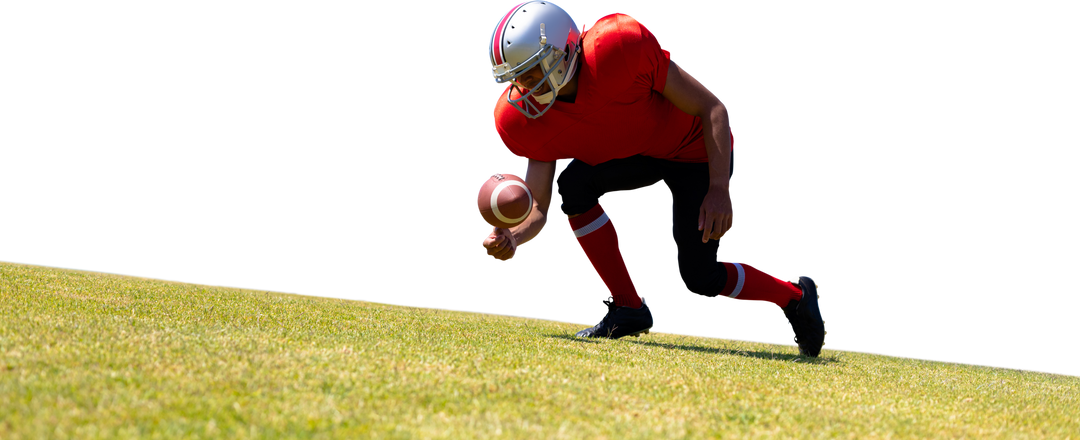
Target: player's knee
[[572, 209], [576, 192], [701, 289], [700, 285], [573, 180]]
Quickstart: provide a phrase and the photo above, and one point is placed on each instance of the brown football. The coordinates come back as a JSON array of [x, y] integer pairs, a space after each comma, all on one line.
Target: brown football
[[505, 200]]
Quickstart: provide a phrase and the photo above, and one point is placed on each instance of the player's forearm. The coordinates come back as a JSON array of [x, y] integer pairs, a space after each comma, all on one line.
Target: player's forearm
[[530, 227], [718, 145]]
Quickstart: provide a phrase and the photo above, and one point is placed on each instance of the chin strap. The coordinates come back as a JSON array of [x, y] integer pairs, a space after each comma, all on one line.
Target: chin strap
[[544, 99]]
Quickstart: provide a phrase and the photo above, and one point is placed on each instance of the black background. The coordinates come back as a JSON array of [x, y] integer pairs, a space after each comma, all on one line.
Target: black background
[[306, 150]]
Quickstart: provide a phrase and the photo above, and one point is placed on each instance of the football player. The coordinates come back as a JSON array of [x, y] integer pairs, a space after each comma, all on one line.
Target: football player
[[614, 102]]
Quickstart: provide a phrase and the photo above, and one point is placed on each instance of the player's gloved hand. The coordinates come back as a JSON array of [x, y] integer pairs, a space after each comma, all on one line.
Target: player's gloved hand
[[714, 217], [500, 244]]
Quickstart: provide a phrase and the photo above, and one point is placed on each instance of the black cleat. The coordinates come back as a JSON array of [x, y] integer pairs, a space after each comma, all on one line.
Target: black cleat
[[619, 322], [805, 319]]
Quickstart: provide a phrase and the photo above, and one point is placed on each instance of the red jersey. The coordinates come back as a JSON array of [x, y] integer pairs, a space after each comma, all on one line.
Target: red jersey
[[618, 111]]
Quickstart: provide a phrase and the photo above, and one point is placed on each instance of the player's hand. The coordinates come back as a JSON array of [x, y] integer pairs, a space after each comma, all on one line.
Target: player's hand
[[714, 217], [500, 244]]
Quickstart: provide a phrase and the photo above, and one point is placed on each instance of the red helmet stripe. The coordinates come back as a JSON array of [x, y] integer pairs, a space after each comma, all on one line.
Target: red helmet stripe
[[496, 42]]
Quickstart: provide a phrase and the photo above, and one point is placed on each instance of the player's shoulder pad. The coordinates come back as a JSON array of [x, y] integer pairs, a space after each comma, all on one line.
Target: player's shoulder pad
[[616, 46]]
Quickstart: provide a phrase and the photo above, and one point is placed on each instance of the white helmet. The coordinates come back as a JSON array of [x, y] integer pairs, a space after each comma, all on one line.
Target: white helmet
[[535, 33]]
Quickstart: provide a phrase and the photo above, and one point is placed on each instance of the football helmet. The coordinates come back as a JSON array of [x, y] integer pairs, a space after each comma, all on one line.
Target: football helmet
[[535, 33]]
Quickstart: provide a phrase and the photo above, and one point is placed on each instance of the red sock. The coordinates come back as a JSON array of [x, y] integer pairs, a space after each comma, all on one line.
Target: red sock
[[597, 237], [745, 282]]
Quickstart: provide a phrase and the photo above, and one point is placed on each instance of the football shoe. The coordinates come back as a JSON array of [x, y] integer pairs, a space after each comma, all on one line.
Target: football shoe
[[805, 319], [620, 321]]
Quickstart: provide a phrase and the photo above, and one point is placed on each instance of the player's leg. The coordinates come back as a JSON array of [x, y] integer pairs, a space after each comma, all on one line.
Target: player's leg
[[698, 267], [705, 275], [697, 261], [581, 186]]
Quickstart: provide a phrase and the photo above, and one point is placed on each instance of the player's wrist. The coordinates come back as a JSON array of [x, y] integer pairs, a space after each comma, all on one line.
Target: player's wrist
[[530, 229], [718, 185]]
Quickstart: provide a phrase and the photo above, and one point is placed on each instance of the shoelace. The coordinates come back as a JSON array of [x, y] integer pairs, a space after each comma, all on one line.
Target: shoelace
[[608, 305]]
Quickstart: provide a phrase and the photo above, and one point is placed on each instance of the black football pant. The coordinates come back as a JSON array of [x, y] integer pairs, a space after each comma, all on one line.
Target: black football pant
[[581, 186]]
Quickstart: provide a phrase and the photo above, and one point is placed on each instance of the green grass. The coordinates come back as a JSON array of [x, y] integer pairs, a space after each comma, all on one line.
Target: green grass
[[87, 355]]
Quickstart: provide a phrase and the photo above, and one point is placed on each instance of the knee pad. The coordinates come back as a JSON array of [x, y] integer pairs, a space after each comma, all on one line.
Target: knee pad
[[575, 187], [703, 279]]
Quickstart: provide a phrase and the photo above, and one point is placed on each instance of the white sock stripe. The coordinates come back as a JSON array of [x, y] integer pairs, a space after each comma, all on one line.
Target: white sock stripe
[[589, 228], [742, 278]]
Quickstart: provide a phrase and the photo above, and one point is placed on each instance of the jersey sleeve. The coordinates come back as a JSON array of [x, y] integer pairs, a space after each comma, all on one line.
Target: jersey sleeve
[[499, 118]]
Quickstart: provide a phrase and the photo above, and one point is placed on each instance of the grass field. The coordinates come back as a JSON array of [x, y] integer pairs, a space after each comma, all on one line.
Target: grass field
[[87, 355]]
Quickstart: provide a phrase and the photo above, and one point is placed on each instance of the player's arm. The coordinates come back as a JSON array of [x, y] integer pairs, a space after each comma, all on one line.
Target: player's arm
[[502, 244], [715, 215], [693, 98], [540, 178]]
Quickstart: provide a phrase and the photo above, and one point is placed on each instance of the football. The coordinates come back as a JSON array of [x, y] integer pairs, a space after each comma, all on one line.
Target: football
[[505, 200]]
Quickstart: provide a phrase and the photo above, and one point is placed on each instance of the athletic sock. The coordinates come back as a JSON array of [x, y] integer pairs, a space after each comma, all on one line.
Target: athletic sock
[[745, 282], [597, 237]]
